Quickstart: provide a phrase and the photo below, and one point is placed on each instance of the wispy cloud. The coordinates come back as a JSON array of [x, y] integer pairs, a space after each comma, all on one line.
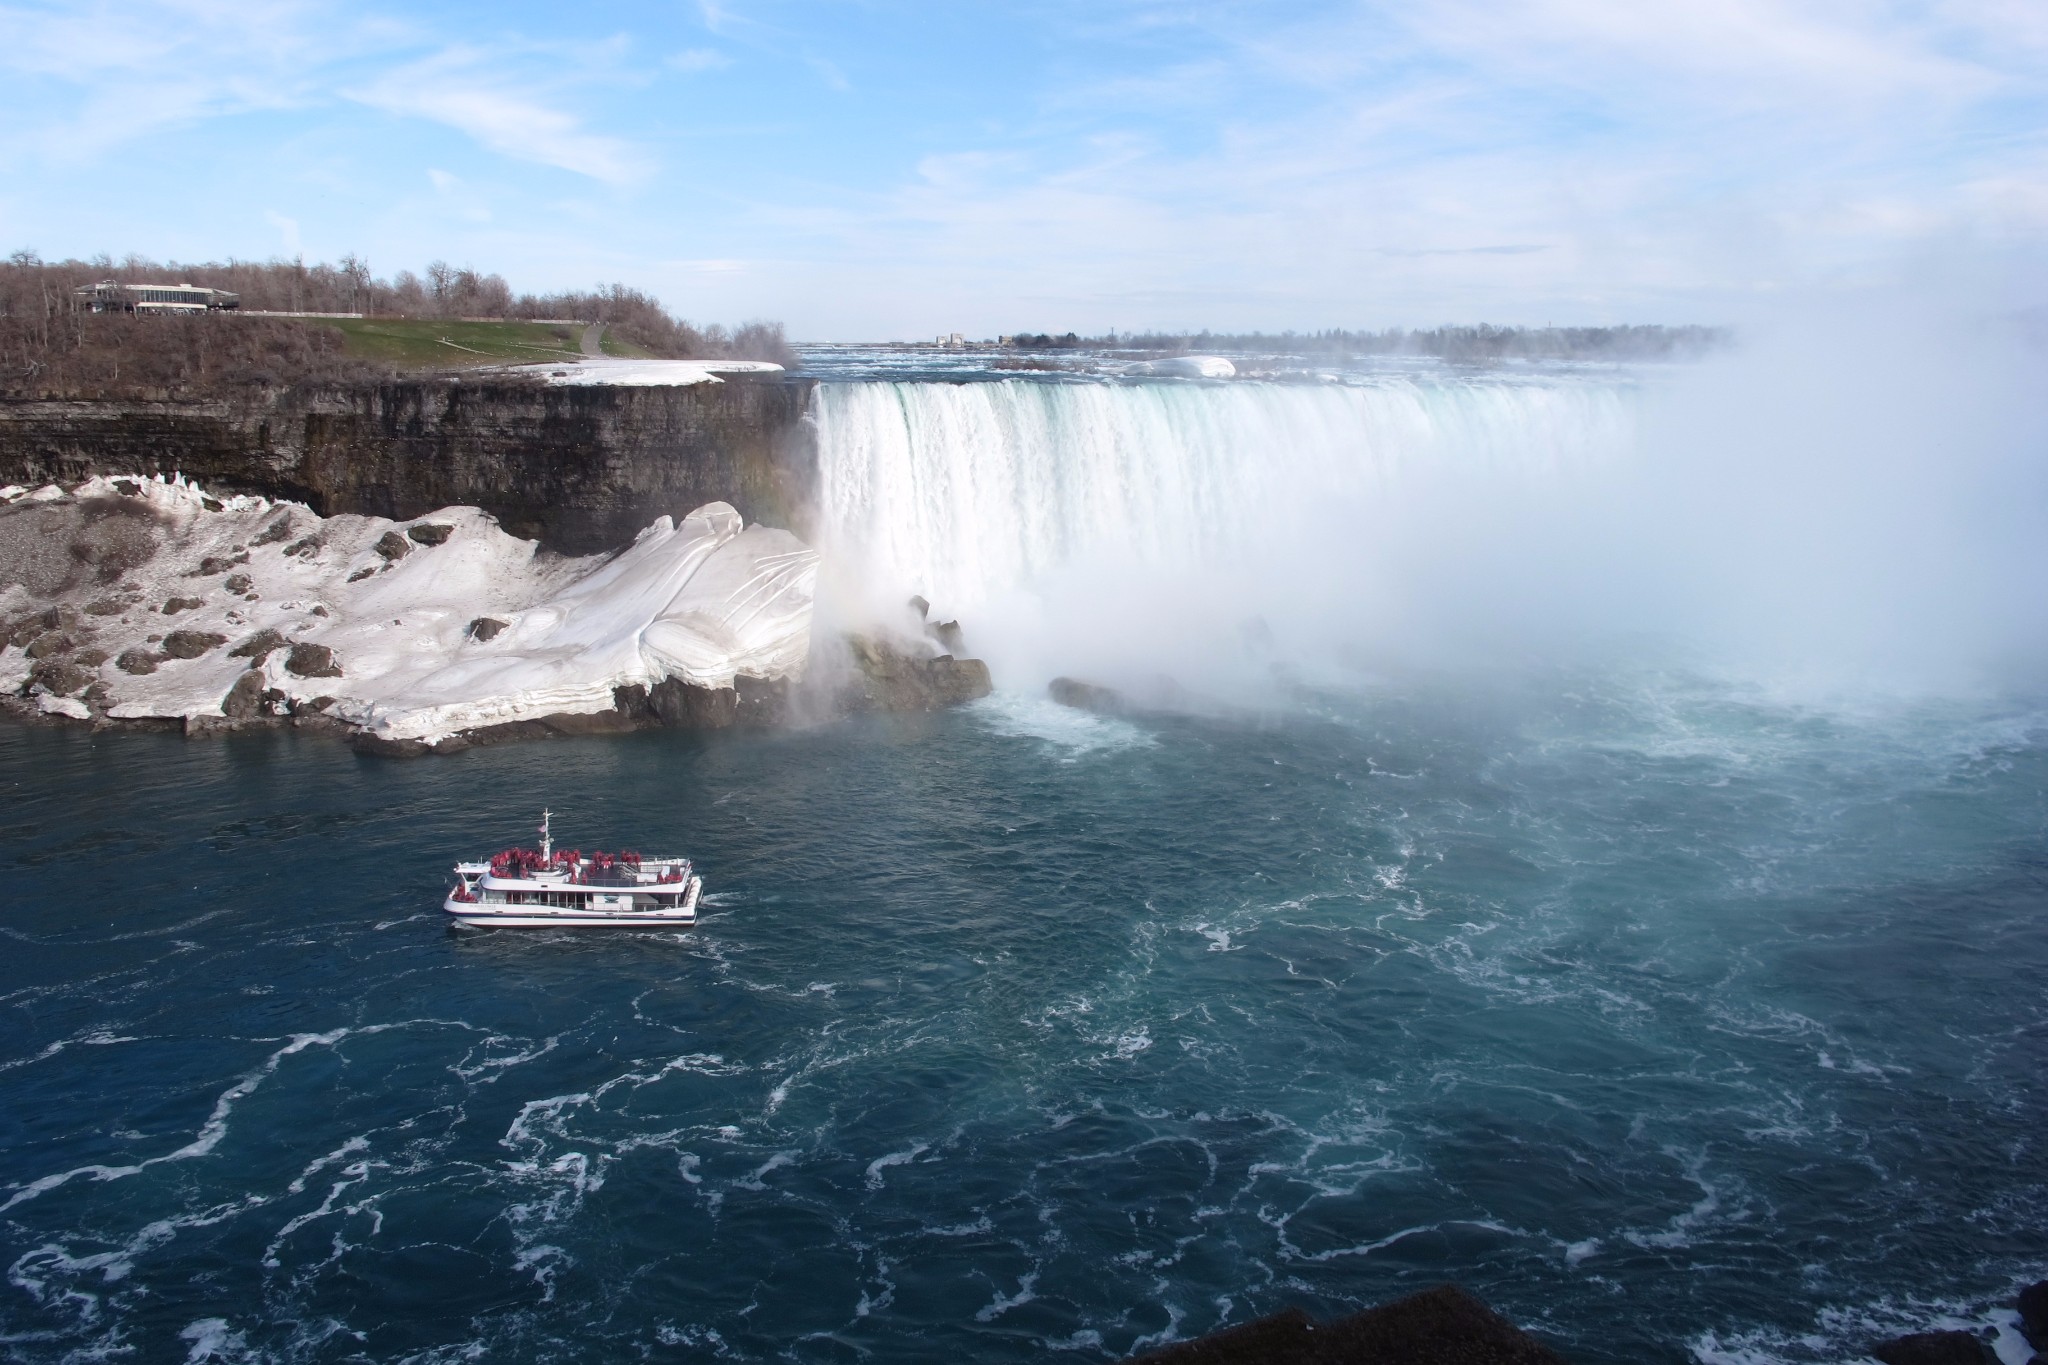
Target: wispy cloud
[[458, 88]]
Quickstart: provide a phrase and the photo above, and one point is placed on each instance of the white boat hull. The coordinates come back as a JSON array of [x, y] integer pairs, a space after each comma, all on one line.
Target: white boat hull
[[504, 916]]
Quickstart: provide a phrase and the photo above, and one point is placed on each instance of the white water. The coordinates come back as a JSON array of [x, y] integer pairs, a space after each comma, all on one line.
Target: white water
[[1031, 508]]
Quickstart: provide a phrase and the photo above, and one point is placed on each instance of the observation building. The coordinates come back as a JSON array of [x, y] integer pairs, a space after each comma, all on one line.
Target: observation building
[[110, 297]]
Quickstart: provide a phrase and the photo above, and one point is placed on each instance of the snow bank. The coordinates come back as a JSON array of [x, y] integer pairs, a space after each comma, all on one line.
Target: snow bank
[[1187, 367], [644, 373], [396, 603]]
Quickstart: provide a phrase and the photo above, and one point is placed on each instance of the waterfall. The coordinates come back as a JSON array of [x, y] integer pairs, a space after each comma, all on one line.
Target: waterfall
[[966, 492]]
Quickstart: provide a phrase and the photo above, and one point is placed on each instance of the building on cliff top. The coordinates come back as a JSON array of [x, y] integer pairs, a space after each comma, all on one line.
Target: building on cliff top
[[109, 296]]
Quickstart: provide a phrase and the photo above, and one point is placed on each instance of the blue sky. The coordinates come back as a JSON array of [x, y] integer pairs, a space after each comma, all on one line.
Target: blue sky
[[868, 169]]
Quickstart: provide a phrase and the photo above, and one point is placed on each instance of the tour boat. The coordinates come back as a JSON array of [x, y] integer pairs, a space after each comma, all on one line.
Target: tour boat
[[552, 888]]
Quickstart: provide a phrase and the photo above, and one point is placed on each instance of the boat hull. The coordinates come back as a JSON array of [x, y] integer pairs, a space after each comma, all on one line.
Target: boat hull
[[486, 915]]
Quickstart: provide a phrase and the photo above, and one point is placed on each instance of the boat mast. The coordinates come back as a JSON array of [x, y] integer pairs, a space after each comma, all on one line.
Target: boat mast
[[547, 840]]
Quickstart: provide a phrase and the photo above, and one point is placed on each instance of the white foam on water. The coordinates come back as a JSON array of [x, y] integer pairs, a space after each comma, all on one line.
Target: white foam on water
[[902, 1158], [1073, 732]]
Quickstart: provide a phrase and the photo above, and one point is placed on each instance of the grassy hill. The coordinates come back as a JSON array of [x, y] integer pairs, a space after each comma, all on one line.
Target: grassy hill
[[438, 342]]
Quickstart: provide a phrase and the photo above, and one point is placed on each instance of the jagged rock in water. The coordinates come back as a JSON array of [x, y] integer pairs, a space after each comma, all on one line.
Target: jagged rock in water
[[1935, 1348], [312, 661], [750, 701], [431, 532], [190, 644], [947, 633], [2033, 1307], [1441, 1326], [484, 629], [392, 546], [892, 679], [1087, 696]]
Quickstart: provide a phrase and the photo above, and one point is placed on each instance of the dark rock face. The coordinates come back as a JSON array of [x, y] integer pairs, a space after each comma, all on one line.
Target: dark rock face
[[1935, 1348], [581, 468], [1442, 1326], [2034, 1314], [190, 644], [484, 628], [431, 532], [1087, 696], [312, 661]]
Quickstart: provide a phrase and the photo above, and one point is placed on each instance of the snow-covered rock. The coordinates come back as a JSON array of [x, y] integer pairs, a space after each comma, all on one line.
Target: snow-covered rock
[[1187, 367], [705, 601], [643, 373]]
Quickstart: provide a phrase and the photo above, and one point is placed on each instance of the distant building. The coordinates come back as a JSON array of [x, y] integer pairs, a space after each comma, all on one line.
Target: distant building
[[110, 297], [951, 339]]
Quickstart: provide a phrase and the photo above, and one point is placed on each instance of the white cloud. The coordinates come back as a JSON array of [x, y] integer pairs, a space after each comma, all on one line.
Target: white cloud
[[456, 88]]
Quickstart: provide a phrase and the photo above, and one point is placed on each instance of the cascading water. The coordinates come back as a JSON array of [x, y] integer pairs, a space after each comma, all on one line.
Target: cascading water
[[964, 492]]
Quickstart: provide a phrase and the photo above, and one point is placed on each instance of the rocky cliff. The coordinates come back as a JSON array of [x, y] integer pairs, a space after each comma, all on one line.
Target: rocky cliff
[[579, 468]]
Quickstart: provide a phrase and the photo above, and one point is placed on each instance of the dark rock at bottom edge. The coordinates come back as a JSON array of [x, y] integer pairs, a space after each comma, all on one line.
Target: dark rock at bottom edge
[[1441, 1326]]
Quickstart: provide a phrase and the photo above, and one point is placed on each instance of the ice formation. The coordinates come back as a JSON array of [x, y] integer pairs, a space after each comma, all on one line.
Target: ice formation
[[398, 605], [611, 370]]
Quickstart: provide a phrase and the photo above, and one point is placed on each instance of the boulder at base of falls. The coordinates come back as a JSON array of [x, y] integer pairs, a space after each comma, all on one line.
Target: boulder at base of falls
[[1935, 1348], [1441, 1326], [312, 661], [1106, 701], [890, 677]]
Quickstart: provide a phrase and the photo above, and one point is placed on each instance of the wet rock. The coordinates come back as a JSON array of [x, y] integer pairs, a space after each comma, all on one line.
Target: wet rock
[[750, 701], [60, 677], [2034, 1314], [1083, 696], [921, 607], [213, 564], [190, 644], [319, 610], [312, 661], [90, 658], [306, 548], [947, 633], [178, 604], [431, 533], [278, 529], [392, 546], [1935, 1348], [484, 629], [1442, 1326], [894, 679], [239, 583], [140, 662], [127, 488], [105, 606], [360, 574], [258, 646]]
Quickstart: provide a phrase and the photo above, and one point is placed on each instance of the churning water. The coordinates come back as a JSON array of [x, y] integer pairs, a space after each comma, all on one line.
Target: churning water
[[1678, 1019]]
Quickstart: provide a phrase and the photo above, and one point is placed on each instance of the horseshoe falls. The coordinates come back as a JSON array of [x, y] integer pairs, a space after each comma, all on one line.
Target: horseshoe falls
[[1470, 892]]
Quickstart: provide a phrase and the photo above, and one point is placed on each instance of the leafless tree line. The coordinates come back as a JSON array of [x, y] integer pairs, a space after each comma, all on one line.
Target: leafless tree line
[[45, 340]]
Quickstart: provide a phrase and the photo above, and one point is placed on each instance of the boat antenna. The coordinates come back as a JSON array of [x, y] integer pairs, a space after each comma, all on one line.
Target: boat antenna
[[547, 840]]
